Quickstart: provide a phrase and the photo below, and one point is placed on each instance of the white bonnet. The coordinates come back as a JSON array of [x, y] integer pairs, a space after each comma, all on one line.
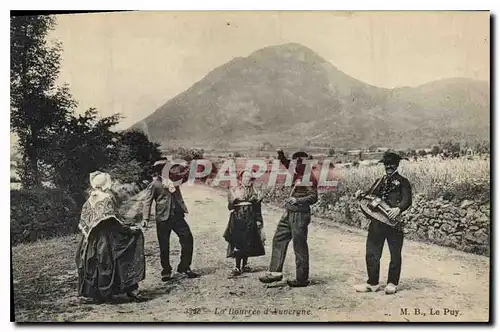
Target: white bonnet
[[100, 180]]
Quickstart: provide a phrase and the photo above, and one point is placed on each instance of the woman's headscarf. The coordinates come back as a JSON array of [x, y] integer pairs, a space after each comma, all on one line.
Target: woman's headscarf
[[101, 183], [248, 191], [240, 177]]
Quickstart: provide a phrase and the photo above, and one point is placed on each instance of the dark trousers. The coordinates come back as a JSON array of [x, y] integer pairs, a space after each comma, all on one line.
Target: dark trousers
[[292, 226], [377, 234], [178, 224]]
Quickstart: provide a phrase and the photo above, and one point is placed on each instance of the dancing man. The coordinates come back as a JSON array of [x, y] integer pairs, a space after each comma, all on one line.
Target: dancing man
[[293, 225], [170, 212]]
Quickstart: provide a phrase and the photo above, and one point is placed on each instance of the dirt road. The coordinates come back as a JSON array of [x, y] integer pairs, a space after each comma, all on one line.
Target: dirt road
[[437, 284]]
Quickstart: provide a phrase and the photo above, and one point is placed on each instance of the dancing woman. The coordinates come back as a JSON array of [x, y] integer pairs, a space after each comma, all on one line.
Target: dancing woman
[[244, 230], [110, 257]]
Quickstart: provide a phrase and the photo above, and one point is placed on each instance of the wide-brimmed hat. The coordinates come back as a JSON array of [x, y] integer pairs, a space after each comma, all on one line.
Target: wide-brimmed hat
[[100, 180], [161, 161], [159, 164], [300, 154], [239, 175], [391, 158]]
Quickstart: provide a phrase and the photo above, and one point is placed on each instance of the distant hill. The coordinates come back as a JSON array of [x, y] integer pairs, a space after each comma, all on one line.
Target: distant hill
[[289, 96]]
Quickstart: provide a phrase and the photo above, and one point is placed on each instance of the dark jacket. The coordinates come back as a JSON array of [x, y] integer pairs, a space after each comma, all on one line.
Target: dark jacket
[[165, 201], [305, 195], [394, 190]]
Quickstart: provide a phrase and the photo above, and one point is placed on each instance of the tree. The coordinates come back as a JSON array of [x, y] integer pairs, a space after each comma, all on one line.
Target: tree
[[86, 144], [266, 146], [331, 152], [435, 150], [187, 154], [126, 169], [482, 147], [451, 147], [135, 145], [38, 106], [412, 153], [422, 153]]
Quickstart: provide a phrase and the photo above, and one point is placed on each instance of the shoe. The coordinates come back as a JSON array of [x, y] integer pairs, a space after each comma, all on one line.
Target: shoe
[[391, 289], [137, 298], [269, 278], [189, 273], [236, 272], [297, 283], [246, 269], [166, 276], [104, 299], [366, 288], [134, 294]]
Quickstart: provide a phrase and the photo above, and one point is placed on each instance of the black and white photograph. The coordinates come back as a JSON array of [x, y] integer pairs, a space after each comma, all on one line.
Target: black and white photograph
[[250, 166]]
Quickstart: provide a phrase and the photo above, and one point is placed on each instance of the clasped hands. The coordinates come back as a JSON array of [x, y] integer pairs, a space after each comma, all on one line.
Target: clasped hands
[[394, 212]]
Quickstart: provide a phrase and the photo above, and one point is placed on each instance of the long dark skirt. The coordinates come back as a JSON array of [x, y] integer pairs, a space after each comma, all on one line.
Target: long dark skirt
[[111, 261], [242, 233]]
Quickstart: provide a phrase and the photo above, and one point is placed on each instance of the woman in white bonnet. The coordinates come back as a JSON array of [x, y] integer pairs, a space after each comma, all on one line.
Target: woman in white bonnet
[[110, 258]]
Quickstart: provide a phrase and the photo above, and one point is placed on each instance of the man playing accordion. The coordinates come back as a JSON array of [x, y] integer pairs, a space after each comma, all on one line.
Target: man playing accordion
[[394, 191]]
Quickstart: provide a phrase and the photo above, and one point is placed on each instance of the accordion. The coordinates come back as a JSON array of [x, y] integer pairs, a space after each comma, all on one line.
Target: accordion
[[374, 207]]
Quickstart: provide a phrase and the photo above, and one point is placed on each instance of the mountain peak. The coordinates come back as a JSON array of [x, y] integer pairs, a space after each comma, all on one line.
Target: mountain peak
[[287, 50], [284, 93], [291, 46]]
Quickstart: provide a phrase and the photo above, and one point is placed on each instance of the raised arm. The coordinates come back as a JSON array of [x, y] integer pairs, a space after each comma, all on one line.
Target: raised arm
[[284, 160]]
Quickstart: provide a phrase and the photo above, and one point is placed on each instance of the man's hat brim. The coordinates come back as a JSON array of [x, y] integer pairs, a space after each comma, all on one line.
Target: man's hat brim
[[392, 160], [300, 154], [160, 162]]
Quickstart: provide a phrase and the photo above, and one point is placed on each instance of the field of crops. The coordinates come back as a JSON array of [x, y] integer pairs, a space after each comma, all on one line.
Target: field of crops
[[462, 178]]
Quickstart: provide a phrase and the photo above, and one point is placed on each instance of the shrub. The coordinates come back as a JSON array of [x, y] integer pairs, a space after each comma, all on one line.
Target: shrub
[[134, 151], [435, 150], [275, 194], [41, 213], [266, 146], [186, 154], [129, 172]]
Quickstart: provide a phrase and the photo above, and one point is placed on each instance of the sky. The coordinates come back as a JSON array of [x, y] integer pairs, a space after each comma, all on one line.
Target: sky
[[133, 62]]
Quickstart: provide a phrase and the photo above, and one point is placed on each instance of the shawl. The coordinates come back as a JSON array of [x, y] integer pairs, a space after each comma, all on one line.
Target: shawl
[[244, 194], [96, 209]]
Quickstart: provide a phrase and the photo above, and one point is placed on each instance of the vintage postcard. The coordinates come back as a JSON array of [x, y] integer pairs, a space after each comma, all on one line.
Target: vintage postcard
[[251, 166]]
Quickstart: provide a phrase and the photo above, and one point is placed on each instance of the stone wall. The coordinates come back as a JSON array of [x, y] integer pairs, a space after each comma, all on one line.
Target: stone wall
[[462, 225]]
